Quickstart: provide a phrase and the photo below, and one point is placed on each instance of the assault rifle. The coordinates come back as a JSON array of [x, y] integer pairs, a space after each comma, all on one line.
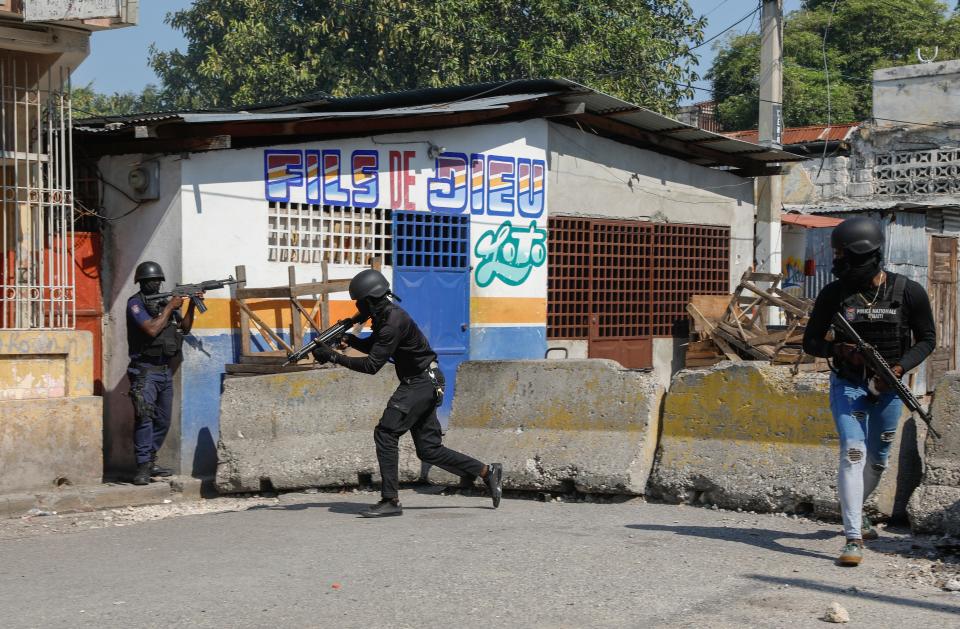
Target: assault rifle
[[191, 291], [329, 336], [876, 364]]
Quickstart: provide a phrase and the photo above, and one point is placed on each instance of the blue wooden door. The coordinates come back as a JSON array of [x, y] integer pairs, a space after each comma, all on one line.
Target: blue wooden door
[[431, 275]]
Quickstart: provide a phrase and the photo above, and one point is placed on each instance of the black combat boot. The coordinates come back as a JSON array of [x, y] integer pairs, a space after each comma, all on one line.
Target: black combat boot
[[142, 477], [384, 508], [494, 482], [156, 470]]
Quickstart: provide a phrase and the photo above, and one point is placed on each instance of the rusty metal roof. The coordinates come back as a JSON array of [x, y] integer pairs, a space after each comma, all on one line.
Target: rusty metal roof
[[810, 220], [803, 135]]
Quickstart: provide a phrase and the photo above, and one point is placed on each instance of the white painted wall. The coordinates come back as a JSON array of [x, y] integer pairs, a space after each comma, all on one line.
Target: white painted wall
[[594, 176], [152, 232], [919, 94]]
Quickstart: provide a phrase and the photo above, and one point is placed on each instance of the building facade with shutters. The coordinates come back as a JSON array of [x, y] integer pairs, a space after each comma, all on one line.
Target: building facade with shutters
[[515, 220]]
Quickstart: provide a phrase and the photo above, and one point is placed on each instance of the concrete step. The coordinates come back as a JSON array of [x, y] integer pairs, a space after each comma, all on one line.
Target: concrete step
[[106, 496]]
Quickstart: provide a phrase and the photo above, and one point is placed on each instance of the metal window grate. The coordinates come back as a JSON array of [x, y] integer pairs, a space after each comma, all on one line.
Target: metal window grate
[[687, 260], [568, 278], [310, 233], [631, 279], [431, 241], [37, 275]]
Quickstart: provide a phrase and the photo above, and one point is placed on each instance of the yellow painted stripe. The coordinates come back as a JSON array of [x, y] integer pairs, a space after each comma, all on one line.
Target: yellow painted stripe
[[224, 314], [490, 310]]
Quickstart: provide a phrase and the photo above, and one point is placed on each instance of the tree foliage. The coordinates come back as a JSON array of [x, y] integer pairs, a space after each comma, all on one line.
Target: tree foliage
[[241, 52], [863, 35], [88, 103]]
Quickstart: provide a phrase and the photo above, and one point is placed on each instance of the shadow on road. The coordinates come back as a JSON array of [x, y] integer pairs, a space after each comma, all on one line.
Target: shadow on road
[[845, 591], [350, 508], [761, 538]]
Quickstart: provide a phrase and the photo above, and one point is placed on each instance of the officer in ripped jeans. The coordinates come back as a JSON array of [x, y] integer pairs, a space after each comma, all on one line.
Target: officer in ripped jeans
[[892, 313], [155, 332], [413, 405]]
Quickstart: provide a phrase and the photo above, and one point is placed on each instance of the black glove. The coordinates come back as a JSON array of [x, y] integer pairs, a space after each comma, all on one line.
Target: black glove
[[323, 354], [347, 340], [848, 353]]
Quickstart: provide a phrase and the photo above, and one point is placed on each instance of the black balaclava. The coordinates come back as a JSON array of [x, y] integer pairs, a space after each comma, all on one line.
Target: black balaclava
[[373, 306], [856, 272], [150, 287]]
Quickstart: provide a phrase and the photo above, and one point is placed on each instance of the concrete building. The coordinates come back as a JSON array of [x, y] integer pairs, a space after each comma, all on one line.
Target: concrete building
[[903, 168], [50, 419], [512, 218]]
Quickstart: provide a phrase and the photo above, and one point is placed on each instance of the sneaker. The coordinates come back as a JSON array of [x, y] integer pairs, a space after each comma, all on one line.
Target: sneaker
[[383, 509], [494, 482], [156, 470], [852, 553], [867, 530], [142, 476]]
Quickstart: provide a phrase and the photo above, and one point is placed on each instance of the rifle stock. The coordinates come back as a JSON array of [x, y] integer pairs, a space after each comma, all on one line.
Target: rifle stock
[[876, 363]]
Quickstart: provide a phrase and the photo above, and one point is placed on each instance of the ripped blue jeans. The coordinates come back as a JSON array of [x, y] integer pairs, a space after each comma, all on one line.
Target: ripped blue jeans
[[867, 430]]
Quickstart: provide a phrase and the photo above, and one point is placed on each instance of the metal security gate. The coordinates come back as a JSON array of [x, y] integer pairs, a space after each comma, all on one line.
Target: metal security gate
[[943, 299], [36, 203], [620, 284], [431, 275]]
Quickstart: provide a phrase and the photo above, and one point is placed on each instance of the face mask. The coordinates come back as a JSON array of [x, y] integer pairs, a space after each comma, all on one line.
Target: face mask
[[855, 271], [150, 287]]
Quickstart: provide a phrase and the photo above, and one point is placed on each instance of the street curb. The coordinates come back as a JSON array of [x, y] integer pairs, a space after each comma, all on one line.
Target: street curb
[[106, 496]]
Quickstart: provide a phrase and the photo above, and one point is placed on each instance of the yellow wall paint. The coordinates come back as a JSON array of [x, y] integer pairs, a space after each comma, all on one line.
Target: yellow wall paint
[[741, 404], [506, 310], [224, 314], [45, 363]]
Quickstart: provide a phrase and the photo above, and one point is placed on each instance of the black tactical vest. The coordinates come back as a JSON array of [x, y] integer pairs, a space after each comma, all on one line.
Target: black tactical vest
[[154, 349], [883, 323]]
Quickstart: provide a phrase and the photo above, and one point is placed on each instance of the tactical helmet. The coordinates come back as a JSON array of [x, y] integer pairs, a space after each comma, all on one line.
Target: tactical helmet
[[368, 283], [857, 235], [148, 271]]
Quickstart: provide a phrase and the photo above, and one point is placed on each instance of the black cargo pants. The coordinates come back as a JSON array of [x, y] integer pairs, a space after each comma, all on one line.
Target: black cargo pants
[[413, 407]]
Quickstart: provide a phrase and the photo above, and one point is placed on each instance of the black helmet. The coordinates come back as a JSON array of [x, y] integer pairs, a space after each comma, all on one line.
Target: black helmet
[[857, 235], [368, 283], [148, 271]]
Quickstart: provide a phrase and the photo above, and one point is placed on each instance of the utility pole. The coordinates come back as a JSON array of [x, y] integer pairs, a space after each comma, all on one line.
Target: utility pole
[[768, 247]]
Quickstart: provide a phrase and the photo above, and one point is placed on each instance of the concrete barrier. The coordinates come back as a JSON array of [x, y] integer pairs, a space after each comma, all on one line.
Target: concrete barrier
[[304, 429], [557, 424], [751, 436], [935, 505]]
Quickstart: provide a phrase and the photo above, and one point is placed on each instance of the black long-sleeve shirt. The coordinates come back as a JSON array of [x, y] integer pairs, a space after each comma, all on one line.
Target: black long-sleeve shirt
[[395, 335], [916, 305]]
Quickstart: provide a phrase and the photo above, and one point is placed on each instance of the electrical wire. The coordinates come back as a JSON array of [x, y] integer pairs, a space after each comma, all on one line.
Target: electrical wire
[[826, 71]]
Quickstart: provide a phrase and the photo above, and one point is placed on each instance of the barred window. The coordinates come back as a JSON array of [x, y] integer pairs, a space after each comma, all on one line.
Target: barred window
[[311, 233]]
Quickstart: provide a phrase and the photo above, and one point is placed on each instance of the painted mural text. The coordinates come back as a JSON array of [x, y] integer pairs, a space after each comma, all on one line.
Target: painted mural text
[[494, 185], [509, 253]]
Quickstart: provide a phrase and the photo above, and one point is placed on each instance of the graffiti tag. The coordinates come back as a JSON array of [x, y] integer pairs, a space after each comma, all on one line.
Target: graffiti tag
[[510, 253]]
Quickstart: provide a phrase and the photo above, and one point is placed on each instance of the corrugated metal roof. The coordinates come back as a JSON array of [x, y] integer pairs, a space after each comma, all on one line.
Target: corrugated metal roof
[[684, 139], [803, 135], [809, 220]]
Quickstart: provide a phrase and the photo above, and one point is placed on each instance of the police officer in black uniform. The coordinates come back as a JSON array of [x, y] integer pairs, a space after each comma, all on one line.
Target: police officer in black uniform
[[892, 313], [155, 332], [413, 405]]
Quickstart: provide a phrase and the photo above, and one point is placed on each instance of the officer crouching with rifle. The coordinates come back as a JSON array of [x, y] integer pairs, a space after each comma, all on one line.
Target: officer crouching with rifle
[[155, 330], [883, 328], [413, 406]]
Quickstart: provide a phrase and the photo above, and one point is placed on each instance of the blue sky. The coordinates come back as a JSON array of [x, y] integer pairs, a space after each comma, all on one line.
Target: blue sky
[[118, 59]]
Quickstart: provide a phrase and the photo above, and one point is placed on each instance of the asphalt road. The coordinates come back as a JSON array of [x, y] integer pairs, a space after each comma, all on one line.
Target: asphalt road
[[307, 560]]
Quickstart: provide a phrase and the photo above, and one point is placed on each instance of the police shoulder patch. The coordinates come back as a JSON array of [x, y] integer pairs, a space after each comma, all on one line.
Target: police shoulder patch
[[135, 309], [850, 314]]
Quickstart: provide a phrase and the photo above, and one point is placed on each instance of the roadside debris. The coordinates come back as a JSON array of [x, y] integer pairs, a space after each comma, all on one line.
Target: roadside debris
[[836, 613], [733, 327]]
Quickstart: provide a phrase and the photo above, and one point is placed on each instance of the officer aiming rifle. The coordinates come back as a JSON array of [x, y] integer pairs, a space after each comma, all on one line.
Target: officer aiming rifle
[[330, 336], [193, 292]]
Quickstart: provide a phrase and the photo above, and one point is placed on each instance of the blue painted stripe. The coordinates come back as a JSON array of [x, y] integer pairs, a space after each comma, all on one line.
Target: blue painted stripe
[[506, 343]]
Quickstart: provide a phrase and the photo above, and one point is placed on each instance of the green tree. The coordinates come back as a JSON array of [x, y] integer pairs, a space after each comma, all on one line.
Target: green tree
[[863, 35], [241, 52], [88, 103]]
